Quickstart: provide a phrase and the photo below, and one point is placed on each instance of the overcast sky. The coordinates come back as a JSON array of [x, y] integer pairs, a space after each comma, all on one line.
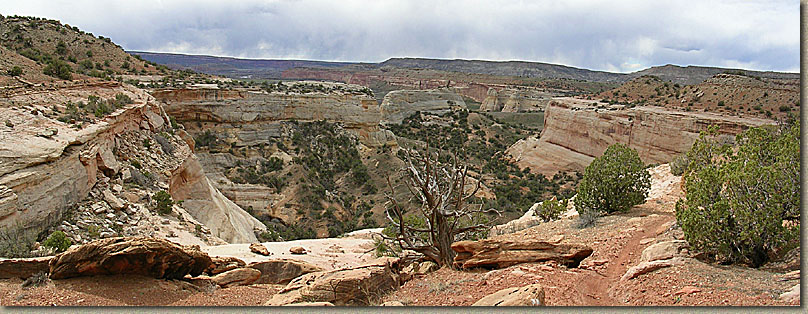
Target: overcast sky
[[621, 36]]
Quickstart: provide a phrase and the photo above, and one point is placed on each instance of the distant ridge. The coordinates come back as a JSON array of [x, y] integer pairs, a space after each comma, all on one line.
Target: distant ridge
[[273, 68]]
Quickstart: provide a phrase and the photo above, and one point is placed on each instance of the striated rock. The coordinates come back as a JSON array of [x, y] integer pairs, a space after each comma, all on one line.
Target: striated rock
[[236, 277], [222, 264], [9, 202], [23, 267], [574, 133], [352, 286], [647, 267], [504, 253], [400, 104], [281, 271], [532, 295], [151, 257], [664, 250], [297, 250], [113, 201], [259, 249]]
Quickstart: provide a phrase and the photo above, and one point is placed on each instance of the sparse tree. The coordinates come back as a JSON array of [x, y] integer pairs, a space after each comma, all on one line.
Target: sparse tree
[[442, 215]]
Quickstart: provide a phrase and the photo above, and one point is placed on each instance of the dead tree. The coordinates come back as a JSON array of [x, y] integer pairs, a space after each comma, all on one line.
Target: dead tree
[[441, 194]]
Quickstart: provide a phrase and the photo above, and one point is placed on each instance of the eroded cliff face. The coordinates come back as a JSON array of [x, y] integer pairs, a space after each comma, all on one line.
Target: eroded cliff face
[[515, 100], [252, 118], [398, 105], [577, 131], [48, 167]]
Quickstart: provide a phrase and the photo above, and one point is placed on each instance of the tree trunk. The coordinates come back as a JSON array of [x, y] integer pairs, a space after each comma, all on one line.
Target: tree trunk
[[443, 240]]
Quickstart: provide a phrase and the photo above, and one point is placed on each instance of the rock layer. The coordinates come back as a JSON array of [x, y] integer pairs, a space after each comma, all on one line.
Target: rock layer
[[398, 105], [514, 100], [575, 132]]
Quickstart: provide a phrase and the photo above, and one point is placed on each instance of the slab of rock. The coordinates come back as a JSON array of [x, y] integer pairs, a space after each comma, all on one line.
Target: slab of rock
[[647, 267], [297, 250], [532, 295], [222, 264], [113, 201], [281, 271], [259, 249], [237, 277], [504, 253], [23, 267], [152, 257], [664, 250], [351, 286], [792, 295]]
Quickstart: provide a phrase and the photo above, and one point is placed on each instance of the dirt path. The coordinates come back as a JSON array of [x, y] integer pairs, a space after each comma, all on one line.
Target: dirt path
[[596, 287]]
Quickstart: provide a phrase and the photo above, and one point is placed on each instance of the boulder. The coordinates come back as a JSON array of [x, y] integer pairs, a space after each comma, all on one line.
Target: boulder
[[237, 277], [152, 257], [113, 201], [351, 286], [281, 271], [427, 267], [504, 253], [664, 250], [23, 267], [297, 250], [259, 249], [532, 295], [222, 264], [792, 295], [647, 267]]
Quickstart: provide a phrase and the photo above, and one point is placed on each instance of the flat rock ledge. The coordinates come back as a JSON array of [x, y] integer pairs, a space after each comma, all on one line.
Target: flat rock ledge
[[491, 253]]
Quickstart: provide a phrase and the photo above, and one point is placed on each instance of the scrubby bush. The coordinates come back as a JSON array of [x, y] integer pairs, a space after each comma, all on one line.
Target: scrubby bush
[[15, 71], [58, 68], [742, 201], [551, 209], [613, 182], [679, 164], [164, 202], [57, 241]]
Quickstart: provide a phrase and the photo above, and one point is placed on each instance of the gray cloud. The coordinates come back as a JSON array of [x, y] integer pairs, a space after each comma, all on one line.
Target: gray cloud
[[601, 35]]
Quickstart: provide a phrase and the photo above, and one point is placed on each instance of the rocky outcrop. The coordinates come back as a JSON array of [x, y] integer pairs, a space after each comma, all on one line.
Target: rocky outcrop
[[224, 218], [531, 295], [23, 267], [222, 264], [150, 257], [504, 253], [352, 286], [398, 105], [281, 271], [577, 131], [514, 100]]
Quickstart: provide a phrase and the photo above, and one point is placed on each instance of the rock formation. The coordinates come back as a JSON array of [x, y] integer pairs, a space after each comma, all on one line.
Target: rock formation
[[281, 271], [577, 131], [531, 295], [23, 267], [504, 253], [514, 100], [236, 277], [151, 257], [398, 105]]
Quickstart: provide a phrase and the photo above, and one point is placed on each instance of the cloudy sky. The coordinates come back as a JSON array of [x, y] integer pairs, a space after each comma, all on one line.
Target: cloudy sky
[[621, 36]]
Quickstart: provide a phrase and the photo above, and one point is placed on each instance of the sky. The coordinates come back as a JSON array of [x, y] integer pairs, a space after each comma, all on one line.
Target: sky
[[616, 36]]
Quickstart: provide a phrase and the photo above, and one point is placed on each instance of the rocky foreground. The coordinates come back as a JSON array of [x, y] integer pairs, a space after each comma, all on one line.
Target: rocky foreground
[[636, 258]]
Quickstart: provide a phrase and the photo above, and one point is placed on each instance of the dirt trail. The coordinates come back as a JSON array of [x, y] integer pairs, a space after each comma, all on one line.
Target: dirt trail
[[596, 287]]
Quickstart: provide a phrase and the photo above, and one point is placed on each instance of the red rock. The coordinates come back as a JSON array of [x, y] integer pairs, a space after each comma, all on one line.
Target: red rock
[[687, 290]]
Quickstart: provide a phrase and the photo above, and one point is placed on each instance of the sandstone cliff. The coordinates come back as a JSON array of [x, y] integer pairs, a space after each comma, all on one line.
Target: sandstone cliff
[[576, 131], [48, 166], [515, 100], [398, 105]]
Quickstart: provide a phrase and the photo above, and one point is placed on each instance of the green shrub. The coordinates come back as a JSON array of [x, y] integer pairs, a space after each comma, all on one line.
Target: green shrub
[[679, 164], [58, 68], [613, 182], [58, 241], [551, 209], [164, 202], [15, 71], [742, 202]]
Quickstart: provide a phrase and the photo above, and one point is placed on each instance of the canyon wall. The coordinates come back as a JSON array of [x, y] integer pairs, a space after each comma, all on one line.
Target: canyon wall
[[398, 105], [577, 131], [47, 166], [514, 100]]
